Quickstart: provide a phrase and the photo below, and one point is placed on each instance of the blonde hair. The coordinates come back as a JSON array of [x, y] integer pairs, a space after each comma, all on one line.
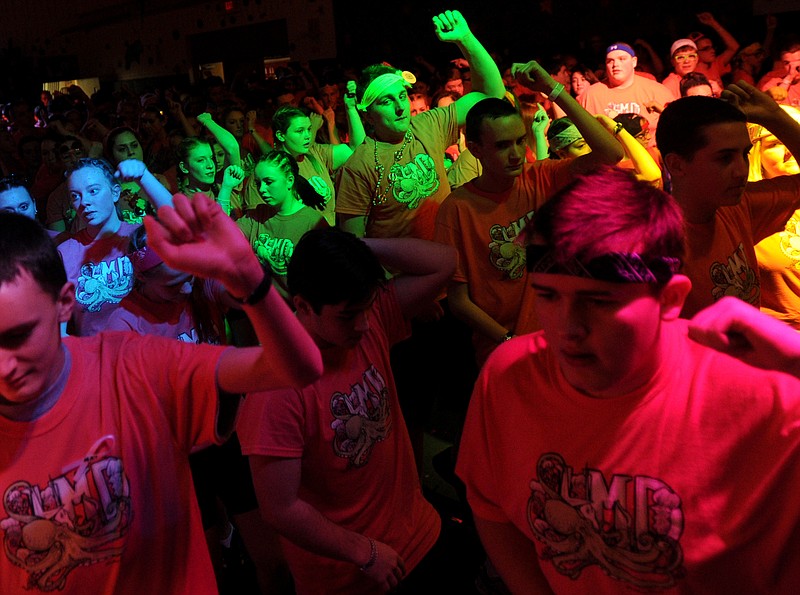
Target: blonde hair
[[757, 135]]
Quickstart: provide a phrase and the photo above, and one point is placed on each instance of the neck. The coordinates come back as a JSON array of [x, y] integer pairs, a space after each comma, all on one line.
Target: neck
[[695, 210], [290, 206], [109, 228], [36, 408], [493, 184]]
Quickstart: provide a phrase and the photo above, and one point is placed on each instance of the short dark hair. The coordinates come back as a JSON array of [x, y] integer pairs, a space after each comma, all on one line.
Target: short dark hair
[[691, 80], [490, 108], [26, 246], [681, 127], [330, 266], [635, 216]]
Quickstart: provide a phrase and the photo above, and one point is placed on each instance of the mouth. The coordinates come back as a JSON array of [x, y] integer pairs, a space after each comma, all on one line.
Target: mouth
[[578, 359]]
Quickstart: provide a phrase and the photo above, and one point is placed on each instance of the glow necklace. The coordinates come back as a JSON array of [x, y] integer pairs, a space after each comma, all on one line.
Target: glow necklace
[[380, 197]]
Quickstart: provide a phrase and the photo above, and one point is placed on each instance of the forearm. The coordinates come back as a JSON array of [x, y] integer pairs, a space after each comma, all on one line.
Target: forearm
[[486, 77], [356, 126], [643, 163], [286, 357], [308, 528], [605, 149], [355, 224], [155, 190], [333, 135], [463, 308], [411, 255], [542, 148], [513, 556], [263, 146], [226, 140], [224, 198]]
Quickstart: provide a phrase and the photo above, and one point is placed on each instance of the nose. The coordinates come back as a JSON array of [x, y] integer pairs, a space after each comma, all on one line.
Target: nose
[[362, 322], [8, 364], [575, 327]]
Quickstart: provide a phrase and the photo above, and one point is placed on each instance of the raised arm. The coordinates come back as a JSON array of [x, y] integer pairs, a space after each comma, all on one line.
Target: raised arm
[[644, 165], [425, 268], [731, 45], [198, 237], [250, 120], [487, 81], [742, 331], [226, 140], [605, 149], [760, 108], [277, 483], [357, 133], [132, 170]]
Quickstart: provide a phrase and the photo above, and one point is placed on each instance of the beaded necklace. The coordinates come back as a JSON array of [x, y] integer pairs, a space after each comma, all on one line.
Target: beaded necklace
[[380, 197]]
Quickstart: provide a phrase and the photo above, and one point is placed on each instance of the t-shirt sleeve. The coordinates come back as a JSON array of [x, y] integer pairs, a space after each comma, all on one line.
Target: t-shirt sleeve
[[386, 306], [771, 202], [475, 458], [448, 231], [272, 424], [355, 184]]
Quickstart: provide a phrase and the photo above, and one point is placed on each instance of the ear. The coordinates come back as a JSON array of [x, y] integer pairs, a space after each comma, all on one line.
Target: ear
[[675, 164], [182, 167], [635, 61], [290, 180], [280, 136], [301, 306], [65, 302], [116, 191], [673, 295], [474, 148]]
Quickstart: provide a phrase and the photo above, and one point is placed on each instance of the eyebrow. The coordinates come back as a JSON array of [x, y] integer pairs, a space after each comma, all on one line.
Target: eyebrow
[[20, 328], [583, 292]]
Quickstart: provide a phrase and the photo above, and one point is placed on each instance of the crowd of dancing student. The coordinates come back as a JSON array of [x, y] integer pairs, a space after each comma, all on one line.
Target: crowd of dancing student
[[442, 174]]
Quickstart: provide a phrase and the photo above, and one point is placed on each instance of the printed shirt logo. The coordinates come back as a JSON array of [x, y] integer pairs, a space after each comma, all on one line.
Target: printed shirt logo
[[505, 253], [736, 278], [104, 283], [415, 181], [361, 418], [321, 187], [276, 252], [790, 240], [622, 107], [630, 529], [78, 518]]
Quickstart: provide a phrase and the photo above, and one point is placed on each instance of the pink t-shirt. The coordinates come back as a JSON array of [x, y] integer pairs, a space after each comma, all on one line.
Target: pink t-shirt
[[97, 493], [689, 484], [357, 463], [102, 274]]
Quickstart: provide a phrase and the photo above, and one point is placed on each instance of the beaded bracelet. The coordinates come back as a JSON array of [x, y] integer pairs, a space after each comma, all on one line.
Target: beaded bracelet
[[259, 292], [555, 92], [373, 555]]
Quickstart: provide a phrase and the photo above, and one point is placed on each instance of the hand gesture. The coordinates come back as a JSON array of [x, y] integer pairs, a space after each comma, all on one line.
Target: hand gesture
[[756, 105], [706, 18], [388, 569], [174, 108], [740, 330], [329, 115], [349, 98], [608, 123], [196, 236], [460, 63], [534, 77], [130, 170], [314, 105], [233, 176], [204, 118], [451, 26], [540, 120], [250, 119]]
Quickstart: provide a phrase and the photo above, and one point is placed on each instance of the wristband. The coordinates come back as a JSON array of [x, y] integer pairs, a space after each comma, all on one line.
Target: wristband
[[618, 128], [508, 336], [555, 92], [373, 555], [259, 292]]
